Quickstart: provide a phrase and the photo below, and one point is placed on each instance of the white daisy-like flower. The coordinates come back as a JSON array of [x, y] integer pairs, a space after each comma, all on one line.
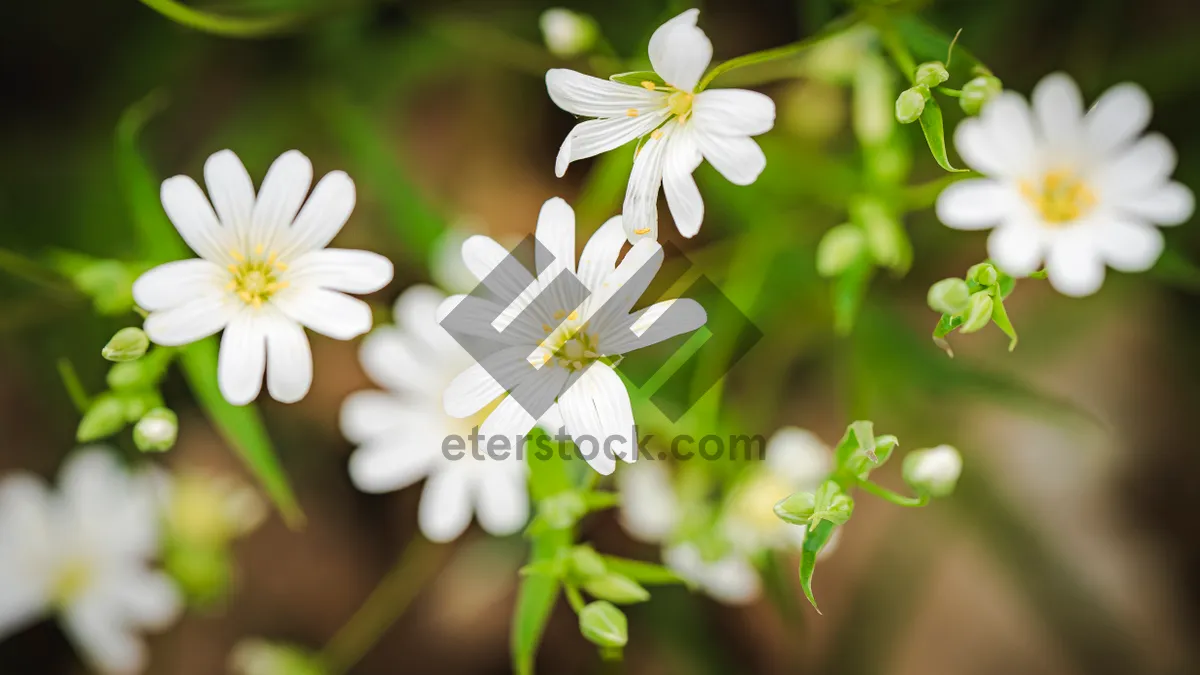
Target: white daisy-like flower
[[555, 345], [404, 434], [263, 273], [1078, 190], [684, 127], [795, 461], [731, 579], [82, 553], [650, 509]]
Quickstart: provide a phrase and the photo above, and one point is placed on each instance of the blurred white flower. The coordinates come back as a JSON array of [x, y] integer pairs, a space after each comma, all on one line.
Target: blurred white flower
[[650, 509], [82, 553], [934, 471], [558, 345], [263, 273], [401, 432], [1075, 189], [567, 33], [730, 579], [684, 127], [796, 461]]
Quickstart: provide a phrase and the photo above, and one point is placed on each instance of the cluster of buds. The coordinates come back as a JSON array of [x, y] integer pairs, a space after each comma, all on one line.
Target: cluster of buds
[[910, 105], [968, 305], [133, 396]]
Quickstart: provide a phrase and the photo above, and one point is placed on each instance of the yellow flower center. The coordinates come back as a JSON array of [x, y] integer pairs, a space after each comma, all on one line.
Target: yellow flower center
[[680, 104], [754, 503], [72, 579], [1061, 198], [570, 345], [255, 278]]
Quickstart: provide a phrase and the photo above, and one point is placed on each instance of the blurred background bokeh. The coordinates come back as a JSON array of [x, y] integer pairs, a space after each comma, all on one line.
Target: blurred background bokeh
[[1071, 546]]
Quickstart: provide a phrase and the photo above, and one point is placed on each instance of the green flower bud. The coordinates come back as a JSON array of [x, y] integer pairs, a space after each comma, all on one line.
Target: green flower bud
[[105, 417], [616, 588], [259, 657], [586, 563], [983, 274], [567, 33], [156, 431], [128, 344], [949, 296], [911, 104], [977, 92], [840, 247], [934, 471], [839, 511], [931, 74], [108, 282], [603, 624], [885, 236], [797, 508], [979, 313], [205, 574], [138, 403], [562, 510]]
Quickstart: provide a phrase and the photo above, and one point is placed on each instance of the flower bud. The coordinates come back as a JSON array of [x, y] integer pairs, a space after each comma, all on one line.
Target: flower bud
[[586, 563], [138, 403], [934, 471], [949, 296], [128, 344], [567, 33], [156, 430], [885, 236], [603, 624], [205, 574], [259, 657], [840, 509], [911, 104], [105, 417], [979, 313], [931, 74], [983, 274], [796, 509], [109, 283], [562, 510], [840, 247], [977, 92], [616, 588]]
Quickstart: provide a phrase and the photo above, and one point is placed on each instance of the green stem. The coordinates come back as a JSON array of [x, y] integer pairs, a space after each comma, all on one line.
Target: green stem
[[893, 497], [73, 385], [22, 267], [831, 29], [574, 597], [222, 25], [923, 196], [895, 46], [418, 564]]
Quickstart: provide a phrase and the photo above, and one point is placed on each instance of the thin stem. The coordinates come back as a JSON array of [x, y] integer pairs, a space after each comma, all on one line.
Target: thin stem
[[786, 51], [73, 385], [574, 597], [418, 564], [893, 497], [223, 25], [923, 196], [22, 267]]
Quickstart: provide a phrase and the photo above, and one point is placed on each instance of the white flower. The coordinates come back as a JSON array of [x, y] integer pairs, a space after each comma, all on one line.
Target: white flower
[[263, 273], [402, 432], [796, 461], [684, 125], [1076, 190], [731, 579], [567, 33], [934, 471], [83, 554], [650, 509], [558, 345]]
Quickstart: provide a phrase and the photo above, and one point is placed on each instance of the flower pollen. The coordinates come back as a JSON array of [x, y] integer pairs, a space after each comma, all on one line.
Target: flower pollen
[[256, 279], [680, 104], [1061, 197]]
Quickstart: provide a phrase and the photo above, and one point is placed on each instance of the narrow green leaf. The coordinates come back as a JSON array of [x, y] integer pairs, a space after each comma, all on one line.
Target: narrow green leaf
[[813, 543], [1000, 318], [649, 574], [637, 77], [935, 135], [535, 600], [158, 241], [240, 426], [237, 27], [548, 474], [864, 434]]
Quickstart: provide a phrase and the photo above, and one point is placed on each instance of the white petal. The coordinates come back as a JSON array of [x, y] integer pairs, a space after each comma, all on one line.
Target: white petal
[[683, 197], [445, 510], [737, 158], [283, 191], [1058, 106], [190, 321], [1119, 115], [22, 602], [640, 211], [649, 508], [1074, 267], [733, 112], [340, 269], [556, 233], [615, 410], [651, 325], [150, 600], [1129, 246], [502, 502], [289, 360], [415, 312], [469, 316], [1017, 247], [593, 137], [231, 191], [520, 410], [478, 385], [680, 52], [975, 204], [599, 257], [798, 457], [322, 217], [176, 283], [242, 359], [395, 360], [978, 149], [589, 96], [1005, 144], [610, 305], [193, 217], [1137, 169], [493, 265], [1171, 204], [329, 313], [366, 415], [394, 462], [732, 580], [105, 641]]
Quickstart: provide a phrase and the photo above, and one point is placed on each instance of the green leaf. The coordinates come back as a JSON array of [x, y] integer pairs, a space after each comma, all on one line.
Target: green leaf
[[849, 290], [935, 136], [813, 543], [1000, 318], [649, 574], [240, 426], [637, 77], [157, 238], [237, 27], [616, 588], [535, 600], [548, 473]]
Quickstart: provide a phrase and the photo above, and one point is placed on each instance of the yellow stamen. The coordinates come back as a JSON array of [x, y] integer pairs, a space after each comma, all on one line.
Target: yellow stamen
[[559, 315], [546, 358], [233, 269], [1060, 198], [632, 112], [280, 266], [680, 103], [573, 316], [656, 134], [258, 250], [647, 84], [231, 285], [644, 230], [546, 327]]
